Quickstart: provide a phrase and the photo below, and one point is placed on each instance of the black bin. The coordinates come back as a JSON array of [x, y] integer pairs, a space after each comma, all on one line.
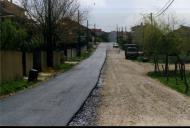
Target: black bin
[[33, 75]]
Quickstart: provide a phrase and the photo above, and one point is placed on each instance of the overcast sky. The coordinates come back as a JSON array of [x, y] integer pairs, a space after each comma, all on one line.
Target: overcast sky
[[107, 13]]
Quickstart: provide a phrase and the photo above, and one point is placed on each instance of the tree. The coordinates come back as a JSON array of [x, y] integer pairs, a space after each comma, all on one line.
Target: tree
[[160, 38], [47, 14], [12, 35]]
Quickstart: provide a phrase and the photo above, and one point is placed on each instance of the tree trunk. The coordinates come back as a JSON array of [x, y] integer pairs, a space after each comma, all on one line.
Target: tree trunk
[[163, 69], [155, 65], [185, 80], [176, 71], [65, 51], [49, 37], [167, 67]]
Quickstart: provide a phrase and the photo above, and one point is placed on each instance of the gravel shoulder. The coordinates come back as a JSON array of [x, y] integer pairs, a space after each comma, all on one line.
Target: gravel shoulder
[[126, 96], [129, 97]]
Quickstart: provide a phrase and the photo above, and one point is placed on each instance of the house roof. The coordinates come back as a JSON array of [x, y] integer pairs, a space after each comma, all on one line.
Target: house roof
[[97, 30], [6, 3], [183, 28], [8, 8], [4, 12]]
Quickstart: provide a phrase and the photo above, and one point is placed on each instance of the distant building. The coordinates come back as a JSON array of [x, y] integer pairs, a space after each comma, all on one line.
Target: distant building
[[183, 31], [98, 32], [70, 35], [112, 36]]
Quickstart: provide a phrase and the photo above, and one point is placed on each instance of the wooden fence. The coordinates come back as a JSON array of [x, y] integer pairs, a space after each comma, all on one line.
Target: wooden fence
[[10, 66], [11, 62]]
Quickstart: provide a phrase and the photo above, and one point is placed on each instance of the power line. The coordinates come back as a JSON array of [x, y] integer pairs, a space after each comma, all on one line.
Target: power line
[[166, 4], [166, 8], [163, 7]]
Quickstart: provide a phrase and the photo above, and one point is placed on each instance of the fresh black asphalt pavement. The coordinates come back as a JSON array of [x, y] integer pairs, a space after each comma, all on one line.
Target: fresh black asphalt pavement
[[56, 101]]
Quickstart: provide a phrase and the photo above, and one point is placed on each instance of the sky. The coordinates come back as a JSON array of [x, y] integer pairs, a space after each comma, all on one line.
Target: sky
[[106, 14]]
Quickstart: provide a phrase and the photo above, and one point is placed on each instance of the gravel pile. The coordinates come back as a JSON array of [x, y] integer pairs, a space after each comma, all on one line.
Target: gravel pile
[[87, 114]]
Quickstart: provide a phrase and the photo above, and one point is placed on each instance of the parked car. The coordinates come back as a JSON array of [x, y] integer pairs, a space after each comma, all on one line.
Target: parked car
[[131, 53], [130, 45], [115, 45]]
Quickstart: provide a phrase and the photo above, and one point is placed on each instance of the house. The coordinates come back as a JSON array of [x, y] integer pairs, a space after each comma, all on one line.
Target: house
[[9, 9], [183, 31], [71, 31], [68, 40], [98, 32]]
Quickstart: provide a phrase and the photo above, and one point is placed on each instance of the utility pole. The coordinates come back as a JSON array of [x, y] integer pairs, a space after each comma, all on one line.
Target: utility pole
[[87, 36], [151, 18], [122, 33], [125, 33], [78, 44], [117, 34], [95, 34], [49, 45], [142, 35]]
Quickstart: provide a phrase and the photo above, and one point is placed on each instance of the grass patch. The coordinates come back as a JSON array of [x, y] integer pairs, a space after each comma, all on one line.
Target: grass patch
[[14, 86], [65, 67], [180, 86], [83, 56]]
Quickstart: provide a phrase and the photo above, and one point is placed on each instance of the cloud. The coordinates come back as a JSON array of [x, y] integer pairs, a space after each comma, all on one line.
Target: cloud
[[107, 13]]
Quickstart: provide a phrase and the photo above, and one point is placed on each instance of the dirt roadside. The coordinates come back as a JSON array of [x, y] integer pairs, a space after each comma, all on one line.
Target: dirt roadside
[[131, 98]]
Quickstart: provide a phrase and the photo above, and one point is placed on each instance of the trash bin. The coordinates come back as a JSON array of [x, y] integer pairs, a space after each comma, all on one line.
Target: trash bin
[[33, 75]]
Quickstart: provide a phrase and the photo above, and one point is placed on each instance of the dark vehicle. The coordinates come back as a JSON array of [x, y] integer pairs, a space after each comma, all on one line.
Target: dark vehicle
[[130, 45], [115, 45], [131, 51]]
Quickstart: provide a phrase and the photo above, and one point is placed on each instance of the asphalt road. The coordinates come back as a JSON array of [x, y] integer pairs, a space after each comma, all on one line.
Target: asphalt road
[[55, 102]]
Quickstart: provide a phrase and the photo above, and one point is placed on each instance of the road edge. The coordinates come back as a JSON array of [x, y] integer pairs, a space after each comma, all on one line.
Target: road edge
[[82, 105]]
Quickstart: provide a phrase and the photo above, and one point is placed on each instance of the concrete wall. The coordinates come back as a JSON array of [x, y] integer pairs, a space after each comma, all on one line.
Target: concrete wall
[[10, 66]]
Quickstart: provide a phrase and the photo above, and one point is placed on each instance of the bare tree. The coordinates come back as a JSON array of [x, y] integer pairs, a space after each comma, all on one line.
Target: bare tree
[[47, 14]]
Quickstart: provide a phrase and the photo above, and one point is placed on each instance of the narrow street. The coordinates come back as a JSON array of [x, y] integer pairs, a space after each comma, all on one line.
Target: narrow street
[[129, 97], [95, 63]]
